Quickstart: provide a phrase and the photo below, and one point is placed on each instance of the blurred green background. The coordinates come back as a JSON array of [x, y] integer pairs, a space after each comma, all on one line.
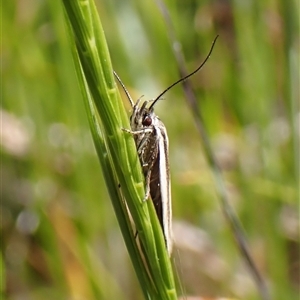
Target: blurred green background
[[60, 238]]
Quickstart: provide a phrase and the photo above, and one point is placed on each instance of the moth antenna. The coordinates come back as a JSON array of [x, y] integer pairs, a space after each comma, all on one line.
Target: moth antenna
[[124, 88], [187, 76]]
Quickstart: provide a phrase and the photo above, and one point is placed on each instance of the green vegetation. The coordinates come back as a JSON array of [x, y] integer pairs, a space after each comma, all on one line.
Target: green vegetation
[[60, 236]]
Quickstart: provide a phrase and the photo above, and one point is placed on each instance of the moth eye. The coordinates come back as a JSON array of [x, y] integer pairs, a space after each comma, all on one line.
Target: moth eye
[[147, 121]]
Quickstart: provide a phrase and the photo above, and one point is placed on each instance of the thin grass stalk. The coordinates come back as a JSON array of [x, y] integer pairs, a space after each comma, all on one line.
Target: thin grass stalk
[[228, 211]]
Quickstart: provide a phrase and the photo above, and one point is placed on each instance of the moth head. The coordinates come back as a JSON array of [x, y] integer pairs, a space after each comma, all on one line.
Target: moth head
[[148, 114], [143, 116], [147, 120]]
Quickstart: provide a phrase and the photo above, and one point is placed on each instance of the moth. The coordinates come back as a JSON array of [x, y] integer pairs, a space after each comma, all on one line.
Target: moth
[[152, 145]]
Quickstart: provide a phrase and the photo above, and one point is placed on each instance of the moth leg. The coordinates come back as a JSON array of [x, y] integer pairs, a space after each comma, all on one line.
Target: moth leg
[[145, 130], [147, 187]]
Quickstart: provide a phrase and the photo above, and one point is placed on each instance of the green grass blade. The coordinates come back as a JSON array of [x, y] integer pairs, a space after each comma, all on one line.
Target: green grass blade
[[116, 151]]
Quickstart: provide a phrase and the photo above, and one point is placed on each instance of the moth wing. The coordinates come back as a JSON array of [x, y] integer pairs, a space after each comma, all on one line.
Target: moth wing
[[166, 203]]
